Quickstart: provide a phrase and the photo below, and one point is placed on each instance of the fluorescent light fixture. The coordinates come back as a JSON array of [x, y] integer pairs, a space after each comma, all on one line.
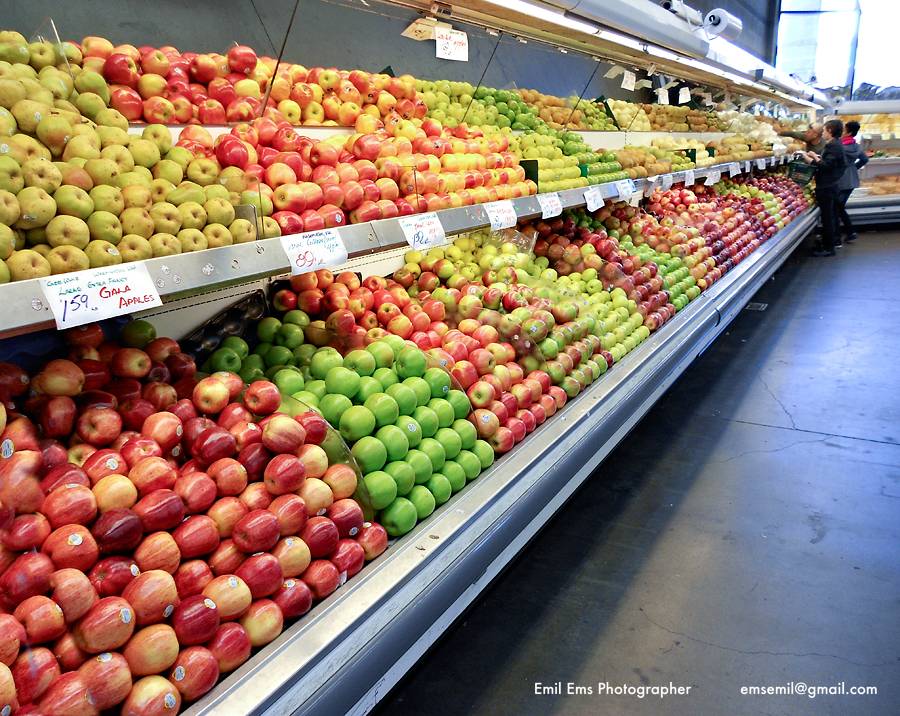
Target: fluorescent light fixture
[[622, 40], [663, 53], [541, 13]]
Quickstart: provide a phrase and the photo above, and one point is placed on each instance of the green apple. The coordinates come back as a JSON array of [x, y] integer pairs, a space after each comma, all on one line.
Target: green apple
[[420, 388], [422, 500], [439, 486], [427, 419], [411, 362], [444, 411], [395, 441], [399, 517], [370, 454], [356, 422], [455, 475], [460, 402], [484, 452], [317, 388], [435, 452], [381, 488], [411, 428], [403, 474], [288, 380], [324, 360], [470, 463], [382, 352], [385, 409], [421, 465], [450, 441], [368, 387], [343, 381], [333, 406], [385, 376], [467, 433], [362, 362], [405, 396]]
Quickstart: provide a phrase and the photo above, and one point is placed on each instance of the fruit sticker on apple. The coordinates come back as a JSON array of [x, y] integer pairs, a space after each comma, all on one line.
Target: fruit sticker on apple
[[314, 250]]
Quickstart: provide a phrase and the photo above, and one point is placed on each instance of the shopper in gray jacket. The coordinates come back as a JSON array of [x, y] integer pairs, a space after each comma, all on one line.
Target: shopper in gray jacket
[[856, 159]]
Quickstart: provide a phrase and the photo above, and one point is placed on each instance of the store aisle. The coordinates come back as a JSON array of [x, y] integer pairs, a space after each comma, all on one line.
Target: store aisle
[[746, 534]]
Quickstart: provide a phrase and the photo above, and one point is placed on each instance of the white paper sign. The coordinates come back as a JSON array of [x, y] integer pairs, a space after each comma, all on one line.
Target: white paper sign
[[97, 294], [550, 205], [666, 181], [635, 199], [712, 177], [451, 44], [593, 198], [760, 163], [689, 179], [628, 80], [734, 169], [625, 188], [502, 214], [662, 96], [314, 250], [684, 95], [747, 167], [423, 231]]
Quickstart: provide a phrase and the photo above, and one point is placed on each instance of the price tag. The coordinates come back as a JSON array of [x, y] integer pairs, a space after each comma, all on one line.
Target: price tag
[[650, 184], [712, 177], [746, 167], [760, 163], [593, 198], [689, 179], [734, 169], [635, 199], [502, 214], [628, 80], [550, 205], [684, 95], [314, 250], [451, 44], [97, 294], [625, 188], [662, 96], [423, 231], [665, 181]]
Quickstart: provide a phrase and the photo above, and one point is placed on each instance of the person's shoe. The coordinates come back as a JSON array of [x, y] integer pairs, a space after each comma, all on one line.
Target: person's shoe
[[823, 252], [851, 238], [838, 244]]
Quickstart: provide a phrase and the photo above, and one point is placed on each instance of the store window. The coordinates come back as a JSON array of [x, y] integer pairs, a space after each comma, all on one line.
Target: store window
[[839, 45]]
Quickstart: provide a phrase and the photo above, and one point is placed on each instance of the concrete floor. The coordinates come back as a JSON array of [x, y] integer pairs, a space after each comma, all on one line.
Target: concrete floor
[[746, 533]]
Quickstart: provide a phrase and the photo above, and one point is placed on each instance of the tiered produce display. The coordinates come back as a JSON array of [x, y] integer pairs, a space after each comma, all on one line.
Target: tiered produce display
[[164, 514]]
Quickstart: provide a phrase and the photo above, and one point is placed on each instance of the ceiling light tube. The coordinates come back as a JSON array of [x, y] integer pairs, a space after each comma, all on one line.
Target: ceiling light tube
[[540, 13]]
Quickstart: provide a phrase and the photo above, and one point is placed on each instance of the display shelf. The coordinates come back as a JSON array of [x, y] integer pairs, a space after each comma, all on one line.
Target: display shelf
[[874, 209], [349, 651], [26, 309]]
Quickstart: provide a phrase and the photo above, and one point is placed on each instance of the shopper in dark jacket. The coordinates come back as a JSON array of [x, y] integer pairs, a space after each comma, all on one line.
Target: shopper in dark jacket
[[830, 166], [856, 160]]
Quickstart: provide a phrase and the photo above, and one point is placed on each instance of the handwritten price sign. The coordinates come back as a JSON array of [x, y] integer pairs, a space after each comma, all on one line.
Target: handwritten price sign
[[593, 198], [451, 44], [713, 177], [760, 163], [97, 294], [423, 231], [502, 214], [734, 169], [550, 205], [314, 250], [625, 188], [689, 179]]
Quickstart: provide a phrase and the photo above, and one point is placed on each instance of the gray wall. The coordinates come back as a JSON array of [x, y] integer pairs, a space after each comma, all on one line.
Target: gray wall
[[760, 23], [342, 33]]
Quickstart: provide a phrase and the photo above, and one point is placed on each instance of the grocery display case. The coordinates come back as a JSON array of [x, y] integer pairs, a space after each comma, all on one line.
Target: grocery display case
[[529, 69]]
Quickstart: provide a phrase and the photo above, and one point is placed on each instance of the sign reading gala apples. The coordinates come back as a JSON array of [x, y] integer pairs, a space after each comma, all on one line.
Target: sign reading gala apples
[[314, 250], [423, 231], [97, 294]]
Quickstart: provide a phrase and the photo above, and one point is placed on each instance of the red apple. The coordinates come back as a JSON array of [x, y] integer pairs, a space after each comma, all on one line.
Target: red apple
[[111, 575], [153, 595], [152, 473], [349, 558], [12, 635], [347, 516], [67, 653], [230, 594], [231, 646], [160, 510], [373, 538], [158, 551], [107, 679], [42, 618], [71, 546], [29, 531], [210, 395], [196, 536], [263, 622], [321, 536], [285, 473], [196, 490], [118, 530], [290, 510], [229, 475], [226, 512], [152, 695], [27, 576], [194, 672], [256, 497], [33, 672], [257, 531], [73, 592], [107, 625], [322, 578], [192, 576], [195, 620]]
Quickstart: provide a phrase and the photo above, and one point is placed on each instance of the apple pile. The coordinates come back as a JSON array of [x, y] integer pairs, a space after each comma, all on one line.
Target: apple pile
[[157, 526]]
